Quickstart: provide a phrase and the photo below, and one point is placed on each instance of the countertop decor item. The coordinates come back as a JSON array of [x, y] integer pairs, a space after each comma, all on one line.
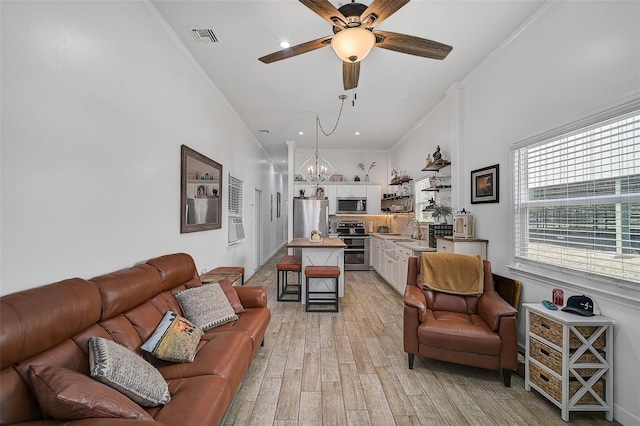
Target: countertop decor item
[[441, 211], [366, 173]]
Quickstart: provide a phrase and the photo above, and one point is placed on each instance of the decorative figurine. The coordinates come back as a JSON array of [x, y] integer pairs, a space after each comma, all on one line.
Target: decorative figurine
[[429, 161], [436, 155]]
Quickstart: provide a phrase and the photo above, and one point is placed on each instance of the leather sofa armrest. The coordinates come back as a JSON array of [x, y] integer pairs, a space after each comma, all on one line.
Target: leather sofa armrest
[[252, 296], [492, 307], [414, 297]]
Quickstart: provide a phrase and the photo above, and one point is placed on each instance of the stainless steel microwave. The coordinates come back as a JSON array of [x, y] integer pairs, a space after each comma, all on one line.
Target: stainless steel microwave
[[351, 205]]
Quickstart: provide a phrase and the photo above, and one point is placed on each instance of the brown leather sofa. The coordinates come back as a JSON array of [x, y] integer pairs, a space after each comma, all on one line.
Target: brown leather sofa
[[480, 331], [51, 325]]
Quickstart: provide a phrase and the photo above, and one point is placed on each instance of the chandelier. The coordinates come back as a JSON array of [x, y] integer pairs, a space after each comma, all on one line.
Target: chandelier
[[317, 169]]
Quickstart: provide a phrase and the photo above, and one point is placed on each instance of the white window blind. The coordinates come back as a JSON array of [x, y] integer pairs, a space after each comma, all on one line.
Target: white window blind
[[423, 200], [236, 227], [577, 200]]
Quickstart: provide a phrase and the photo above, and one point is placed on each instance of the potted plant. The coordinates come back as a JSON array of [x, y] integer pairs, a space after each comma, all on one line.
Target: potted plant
[[441, 211]]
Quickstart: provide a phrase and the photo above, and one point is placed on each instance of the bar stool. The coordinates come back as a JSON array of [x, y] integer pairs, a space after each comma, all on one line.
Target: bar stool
[[326, 297], [229, 270], [289, 264]]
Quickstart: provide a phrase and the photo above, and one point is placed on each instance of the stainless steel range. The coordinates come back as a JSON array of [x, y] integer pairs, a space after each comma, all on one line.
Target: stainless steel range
[[356, 255]]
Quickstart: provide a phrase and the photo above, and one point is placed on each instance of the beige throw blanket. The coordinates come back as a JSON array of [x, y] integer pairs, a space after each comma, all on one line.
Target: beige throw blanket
[[452, 273]]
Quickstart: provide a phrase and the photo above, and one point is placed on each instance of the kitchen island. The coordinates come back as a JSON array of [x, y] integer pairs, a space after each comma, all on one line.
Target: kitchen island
[[325, 252]]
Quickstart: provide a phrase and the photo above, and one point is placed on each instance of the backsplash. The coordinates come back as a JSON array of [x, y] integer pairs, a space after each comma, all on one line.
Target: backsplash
[[398, 224]]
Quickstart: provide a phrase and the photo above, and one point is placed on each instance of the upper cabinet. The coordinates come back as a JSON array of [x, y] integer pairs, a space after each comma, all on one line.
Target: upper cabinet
[[359, 191]]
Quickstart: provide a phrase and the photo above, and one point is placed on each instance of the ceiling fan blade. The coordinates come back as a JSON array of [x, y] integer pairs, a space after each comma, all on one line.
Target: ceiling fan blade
[[296, 50], [327, 11], [350, 74], [411, 45], [381, 10]]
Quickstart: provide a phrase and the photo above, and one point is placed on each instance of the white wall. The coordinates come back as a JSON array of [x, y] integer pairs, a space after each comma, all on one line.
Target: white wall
[[567, 62], [96, 100]]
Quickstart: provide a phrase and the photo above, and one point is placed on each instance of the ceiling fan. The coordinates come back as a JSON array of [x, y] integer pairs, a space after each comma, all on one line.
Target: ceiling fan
[[354, 36]]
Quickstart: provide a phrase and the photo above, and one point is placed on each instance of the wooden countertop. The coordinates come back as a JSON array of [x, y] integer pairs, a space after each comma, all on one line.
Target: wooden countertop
[[323, 243]]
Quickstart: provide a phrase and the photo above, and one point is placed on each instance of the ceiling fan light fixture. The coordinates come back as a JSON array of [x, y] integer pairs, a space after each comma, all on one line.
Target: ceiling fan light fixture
[[353, 44]]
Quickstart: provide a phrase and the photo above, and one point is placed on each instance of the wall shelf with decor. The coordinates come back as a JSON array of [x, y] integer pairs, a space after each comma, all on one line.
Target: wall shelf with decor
[[434, 166], [400, 180], [438, 188]]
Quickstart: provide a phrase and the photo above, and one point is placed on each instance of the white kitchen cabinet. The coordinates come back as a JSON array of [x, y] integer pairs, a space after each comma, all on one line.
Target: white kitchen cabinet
[[359, 191], [377, 253], [403, 264], [470, 246], [330, 193], [391, 270], [374, 196]]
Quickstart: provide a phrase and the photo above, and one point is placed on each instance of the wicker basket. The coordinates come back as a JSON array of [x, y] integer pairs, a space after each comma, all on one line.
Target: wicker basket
[[552, 358], [553, 386], [552, 331]]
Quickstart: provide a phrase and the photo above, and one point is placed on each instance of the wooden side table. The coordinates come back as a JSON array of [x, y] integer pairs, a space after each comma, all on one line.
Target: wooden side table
[[211, 277], [569, 359]]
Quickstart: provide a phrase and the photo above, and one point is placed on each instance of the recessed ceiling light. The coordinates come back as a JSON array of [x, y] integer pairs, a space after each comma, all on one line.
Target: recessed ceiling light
[[356, 133], [301, 133], [285, 44], [284, 161]]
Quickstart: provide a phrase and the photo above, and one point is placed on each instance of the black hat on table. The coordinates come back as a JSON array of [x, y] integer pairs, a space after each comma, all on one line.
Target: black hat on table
[[581, 305]]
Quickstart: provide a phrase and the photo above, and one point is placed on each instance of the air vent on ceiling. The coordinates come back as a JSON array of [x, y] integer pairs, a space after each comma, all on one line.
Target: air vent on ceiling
[[205, 35]]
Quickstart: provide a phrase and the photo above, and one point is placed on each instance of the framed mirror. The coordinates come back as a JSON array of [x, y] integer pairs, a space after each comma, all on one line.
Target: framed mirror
[[200, 192]]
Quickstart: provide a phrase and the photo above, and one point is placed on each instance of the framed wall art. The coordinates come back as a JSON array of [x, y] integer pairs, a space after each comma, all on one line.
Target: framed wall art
[[485, 185]]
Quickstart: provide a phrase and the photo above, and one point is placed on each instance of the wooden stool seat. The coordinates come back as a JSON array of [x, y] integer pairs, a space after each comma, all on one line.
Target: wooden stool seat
[[288, 264], [322, 271], [229, 270], [322, 297]]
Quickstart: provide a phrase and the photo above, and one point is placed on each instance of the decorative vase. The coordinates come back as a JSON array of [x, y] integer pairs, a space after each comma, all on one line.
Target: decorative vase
[[366, 178]]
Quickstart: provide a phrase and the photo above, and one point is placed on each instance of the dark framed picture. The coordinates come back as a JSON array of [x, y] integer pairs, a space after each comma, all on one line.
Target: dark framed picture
[[320, 193], [278, 203], [485, 185]]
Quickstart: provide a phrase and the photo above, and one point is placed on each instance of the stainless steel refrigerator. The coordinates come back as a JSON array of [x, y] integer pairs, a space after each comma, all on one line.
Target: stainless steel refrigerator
[[309, 215]]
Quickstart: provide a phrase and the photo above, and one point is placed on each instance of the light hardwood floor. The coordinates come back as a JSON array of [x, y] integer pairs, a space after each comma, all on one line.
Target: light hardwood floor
[[349, 368]]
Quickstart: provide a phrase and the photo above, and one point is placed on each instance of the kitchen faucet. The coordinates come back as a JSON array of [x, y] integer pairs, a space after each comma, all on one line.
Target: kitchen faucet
[[419, 234]]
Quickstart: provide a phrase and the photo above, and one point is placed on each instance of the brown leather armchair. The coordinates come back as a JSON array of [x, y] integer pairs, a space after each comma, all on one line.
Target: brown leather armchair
[[479, 331]]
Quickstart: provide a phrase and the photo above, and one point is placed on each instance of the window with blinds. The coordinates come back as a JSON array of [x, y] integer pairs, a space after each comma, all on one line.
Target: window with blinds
[[423, 200], [236, 227], [577, 200]]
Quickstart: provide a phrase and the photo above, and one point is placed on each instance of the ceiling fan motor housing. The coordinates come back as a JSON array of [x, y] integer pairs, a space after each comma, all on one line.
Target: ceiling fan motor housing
[[352, 11]]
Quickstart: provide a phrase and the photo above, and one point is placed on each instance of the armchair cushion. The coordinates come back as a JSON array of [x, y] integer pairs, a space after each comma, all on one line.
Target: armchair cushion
[[458, 332]]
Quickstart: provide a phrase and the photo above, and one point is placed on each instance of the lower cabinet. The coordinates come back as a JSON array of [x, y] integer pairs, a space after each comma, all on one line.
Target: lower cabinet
[[391, 270], [471, 246], [403, 263]]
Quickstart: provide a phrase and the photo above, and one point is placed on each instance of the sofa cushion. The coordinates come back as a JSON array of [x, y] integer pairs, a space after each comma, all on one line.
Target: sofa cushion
[[458, 332], [229, 290], [68, 394], [125, 371], [175, 339], [206, 306]]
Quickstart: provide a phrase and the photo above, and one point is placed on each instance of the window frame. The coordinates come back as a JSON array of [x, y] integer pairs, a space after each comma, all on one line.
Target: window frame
[[526, 266]]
